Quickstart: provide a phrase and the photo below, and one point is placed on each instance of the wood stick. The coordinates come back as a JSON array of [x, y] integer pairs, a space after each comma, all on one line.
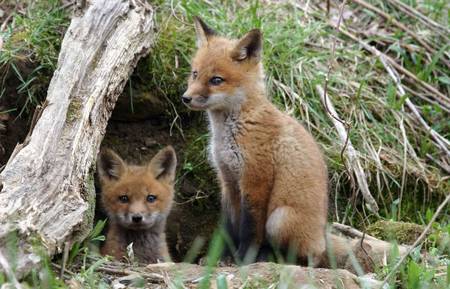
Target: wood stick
[[351, 153], [352, 232]]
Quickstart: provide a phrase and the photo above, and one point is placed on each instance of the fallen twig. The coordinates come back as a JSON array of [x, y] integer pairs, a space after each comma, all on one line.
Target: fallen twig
[[417, 242], [352, 232], [352, 155], [150, 276]]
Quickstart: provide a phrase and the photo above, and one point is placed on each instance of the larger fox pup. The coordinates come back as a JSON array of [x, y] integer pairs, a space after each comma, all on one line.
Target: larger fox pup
[[137, 201], [272, 173]]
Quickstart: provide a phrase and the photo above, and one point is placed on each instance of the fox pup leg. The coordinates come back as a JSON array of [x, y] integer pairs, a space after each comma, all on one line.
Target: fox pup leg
[[253, 214], [247, 231], [230, 215], [285, 228]]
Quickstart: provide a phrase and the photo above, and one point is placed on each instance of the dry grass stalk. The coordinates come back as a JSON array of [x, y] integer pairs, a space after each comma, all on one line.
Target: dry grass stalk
[[400, 25], [431, 24], [343, 126], [425, 98], [444, 166], [352, 155], [442, 142], [441, 98]]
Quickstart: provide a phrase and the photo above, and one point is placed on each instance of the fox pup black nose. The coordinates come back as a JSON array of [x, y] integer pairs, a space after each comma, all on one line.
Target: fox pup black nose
[[136, 219], [186, 99]]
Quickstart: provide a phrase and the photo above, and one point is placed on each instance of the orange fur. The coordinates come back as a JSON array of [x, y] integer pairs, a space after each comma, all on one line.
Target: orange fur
[[269, 166], [137, 200]]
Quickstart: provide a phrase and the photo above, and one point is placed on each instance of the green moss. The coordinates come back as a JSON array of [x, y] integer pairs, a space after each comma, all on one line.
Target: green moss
[[89, 196], [403, 233], [73, 111]]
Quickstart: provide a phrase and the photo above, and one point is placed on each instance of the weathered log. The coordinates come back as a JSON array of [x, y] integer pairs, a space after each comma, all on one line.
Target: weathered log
[[48, 195]]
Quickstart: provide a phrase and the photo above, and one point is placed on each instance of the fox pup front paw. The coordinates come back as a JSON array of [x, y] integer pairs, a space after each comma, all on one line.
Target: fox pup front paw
[[137, 201]]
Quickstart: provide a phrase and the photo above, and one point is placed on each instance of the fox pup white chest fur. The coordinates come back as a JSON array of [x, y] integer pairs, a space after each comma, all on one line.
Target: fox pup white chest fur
[[224, 150]]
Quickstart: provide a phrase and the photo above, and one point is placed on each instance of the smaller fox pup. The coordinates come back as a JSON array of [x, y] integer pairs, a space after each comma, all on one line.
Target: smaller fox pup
[[137, 201]]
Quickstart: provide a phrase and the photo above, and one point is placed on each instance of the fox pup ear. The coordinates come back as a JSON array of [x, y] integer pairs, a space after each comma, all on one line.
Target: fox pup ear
[[109, 166], [202, 31], [248, 47], [163, 165]]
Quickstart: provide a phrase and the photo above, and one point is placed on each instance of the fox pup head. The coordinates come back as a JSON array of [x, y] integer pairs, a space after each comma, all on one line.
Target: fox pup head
[[137, 197], [224, 71]]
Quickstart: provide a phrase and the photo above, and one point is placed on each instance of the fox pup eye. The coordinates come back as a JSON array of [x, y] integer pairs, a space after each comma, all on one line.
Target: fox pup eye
[[194, 74], [123, 199], [151, 198], [216, 80]]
